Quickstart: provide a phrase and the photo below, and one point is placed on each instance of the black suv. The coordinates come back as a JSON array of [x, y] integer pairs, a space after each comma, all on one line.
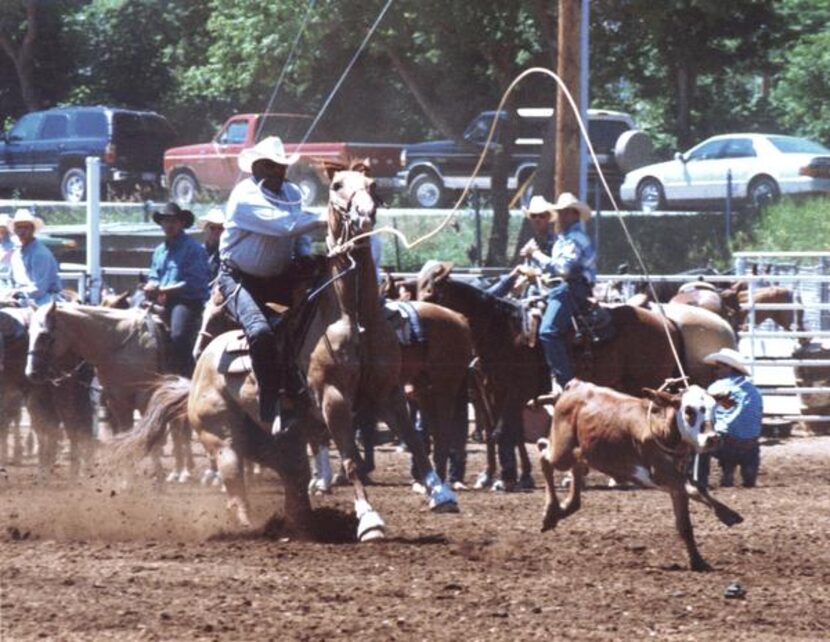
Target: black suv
[[44, 153]]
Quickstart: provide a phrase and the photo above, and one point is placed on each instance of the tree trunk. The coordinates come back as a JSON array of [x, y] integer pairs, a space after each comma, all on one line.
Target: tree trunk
[[408, 75], [683, 106], [500, 198], [24, 57]]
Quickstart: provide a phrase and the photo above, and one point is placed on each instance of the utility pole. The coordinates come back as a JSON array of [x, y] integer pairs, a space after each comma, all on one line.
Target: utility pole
[[568, 68]]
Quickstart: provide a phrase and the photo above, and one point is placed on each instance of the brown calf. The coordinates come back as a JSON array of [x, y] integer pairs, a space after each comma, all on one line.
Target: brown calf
[[644, 441]]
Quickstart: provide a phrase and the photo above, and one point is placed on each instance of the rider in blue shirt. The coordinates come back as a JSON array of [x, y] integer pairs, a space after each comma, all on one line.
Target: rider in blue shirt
[[34, 270], [573, 259], [178, 279]]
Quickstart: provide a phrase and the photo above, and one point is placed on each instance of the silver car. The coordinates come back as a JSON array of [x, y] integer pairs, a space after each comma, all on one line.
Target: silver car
[[762, 167]]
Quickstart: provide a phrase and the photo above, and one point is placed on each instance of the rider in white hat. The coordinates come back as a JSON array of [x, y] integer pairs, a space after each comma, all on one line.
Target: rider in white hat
[[738, 421], [213, 224], [573, 259], [34, 270], [266, 231]]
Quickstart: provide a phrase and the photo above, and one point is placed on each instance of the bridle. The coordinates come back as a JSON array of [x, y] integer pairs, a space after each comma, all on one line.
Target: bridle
[[344, 207]]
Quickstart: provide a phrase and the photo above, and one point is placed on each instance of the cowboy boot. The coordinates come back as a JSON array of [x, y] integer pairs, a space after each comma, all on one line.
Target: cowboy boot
[[265, 368]]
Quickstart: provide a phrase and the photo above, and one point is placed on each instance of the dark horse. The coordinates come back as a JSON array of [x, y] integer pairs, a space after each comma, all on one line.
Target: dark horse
[[638, 357]]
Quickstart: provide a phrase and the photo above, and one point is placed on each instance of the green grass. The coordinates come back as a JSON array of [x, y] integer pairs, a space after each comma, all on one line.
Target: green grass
[[789, 226]]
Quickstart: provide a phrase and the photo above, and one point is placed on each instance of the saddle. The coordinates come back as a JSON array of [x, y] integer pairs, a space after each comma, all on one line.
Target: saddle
[[236, 359], [405, 321], [592, 326]]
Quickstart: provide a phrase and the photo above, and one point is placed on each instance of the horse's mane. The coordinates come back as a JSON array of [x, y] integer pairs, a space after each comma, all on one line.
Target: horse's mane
[[480, 303]]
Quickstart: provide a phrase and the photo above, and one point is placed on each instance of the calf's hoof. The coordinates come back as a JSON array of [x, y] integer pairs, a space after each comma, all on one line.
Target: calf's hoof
[[728, 516], [700, 565]]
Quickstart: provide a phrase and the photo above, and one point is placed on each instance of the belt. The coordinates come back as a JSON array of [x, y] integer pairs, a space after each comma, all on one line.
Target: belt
[[740, 444]]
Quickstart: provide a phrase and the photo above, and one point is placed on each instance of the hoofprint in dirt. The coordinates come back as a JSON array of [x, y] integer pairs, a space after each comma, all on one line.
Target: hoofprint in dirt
[[95, 563]]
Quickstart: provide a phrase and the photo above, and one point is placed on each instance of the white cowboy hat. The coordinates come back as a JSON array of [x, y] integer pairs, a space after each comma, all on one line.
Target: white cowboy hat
[[539, 205], [728, 357], [24, 215], [5, 221], [270, 148], [568, 201], [214, 217]]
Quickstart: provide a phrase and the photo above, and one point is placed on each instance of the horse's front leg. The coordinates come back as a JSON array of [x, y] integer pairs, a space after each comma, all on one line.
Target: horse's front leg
[[337, 413], [441, 498]]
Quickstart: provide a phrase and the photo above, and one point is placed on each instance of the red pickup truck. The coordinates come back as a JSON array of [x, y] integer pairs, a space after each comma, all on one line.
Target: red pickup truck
[[211, 168]]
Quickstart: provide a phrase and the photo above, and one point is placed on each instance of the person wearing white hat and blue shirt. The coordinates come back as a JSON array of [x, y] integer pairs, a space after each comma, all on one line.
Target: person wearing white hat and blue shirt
[[738, 421], [212, 224], [7, 246], [573, 259], [34, 270], [266, 233]]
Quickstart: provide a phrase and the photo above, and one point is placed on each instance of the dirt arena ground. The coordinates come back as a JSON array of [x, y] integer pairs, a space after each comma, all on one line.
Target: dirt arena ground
[[93, 562]]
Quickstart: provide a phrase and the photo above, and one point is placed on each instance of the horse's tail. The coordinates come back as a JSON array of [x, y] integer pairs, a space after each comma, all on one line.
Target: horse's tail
[[167, 404]]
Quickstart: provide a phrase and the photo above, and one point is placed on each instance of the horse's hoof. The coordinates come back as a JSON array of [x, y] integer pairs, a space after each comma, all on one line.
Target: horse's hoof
[[484, 480], [172, 477], [418, 488], [371, 527], [501, 486], [526, 483], [459, 486], [207, 478], [184, 477], [443, 500]]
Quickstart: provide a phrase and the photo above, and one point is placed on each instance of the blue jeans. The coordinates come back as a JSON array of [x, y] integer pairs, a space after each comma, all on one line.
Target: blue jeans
[[564, 301], [733, 453], [185, 317]]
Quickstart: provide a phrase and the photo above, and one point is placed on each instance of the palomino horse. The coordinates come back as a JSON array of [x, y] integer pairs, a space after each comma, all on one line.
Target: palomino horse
[[435, 368], [351, 360], [638, 357], [126, 347], [50, 403]]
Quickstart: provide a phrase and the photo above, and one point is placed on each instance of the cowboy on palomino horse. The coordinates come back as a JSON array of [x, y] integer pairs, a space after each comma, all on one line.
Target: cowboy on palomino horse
[[265, 237], [574, 259], [178, 281]]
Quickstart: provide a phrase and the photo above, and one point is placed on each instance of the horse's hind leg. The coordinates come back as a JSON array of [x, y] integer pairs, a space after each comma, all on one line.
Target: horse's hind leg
[[182, 452]]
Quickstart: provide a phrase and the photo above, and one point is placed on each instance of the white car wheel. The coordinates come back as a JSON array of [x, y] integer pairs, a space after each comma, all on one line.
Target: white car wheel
[[763, 191]]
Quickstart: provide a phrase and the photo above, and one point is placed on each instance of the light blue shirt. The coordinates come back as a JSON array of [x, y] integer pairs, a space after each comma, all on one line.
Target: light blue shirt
[[34, 271], [573, 255], [743, 419], [7, 246], [263, 230], [182, 259]]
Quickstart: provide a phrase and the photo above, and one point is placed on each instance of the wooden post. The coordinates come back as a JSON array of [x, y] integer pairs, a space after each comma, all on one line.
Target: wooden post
[[567, 129]]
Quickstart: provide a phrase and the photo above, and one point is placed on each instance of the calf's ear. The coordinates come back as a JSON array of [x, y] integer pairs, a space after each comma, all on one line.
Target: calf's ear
[[663, 399]]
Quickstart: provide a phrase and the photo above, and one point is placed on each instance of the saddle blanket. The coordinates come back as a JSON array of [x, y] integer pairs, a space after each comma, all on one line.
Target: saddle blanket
[[236, 359], [405, 321]]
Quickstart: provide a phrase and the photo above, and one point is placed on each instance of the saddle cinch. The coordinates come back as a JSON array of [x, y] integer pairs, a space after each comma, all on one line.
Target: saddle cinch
[[592, 326]]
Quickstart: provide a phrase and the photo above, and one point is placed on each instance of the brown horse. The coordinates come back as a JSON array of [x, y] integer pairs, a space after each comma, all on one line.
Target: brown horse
[[351, 360], [638, 357], [52, 402], [737, 295]]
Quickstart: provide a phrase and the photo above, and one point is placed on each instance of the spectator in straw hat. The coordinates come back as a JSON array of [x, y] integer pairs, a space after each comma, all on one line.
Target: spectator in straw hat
[[34, 270], [573, 259], [178, 280], [266, 235], [213, 224], [7, 245], [738, 422]]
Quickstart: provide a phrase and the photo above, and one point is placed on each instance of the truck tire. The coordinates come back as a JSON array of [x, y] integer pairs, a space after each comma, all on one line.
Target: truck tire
[[184, 188], [73, 185], [426, 190]]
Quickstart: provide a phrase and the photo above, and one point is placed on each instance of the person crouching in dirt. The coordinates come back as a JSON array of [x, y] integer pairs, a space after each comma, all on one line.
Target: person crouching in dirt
[[178, 281], [265, 237], [739, 424]]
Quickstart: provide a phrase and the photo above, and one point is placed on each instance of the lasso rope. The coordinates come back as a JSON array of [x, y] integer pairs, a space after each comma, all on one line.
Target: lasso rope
[[451, 214]]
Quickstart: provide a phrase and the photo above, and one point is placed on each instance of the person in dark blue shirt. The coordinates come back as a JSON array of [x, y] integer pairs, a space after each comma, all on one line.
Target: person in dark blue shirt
[[178, 280]]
